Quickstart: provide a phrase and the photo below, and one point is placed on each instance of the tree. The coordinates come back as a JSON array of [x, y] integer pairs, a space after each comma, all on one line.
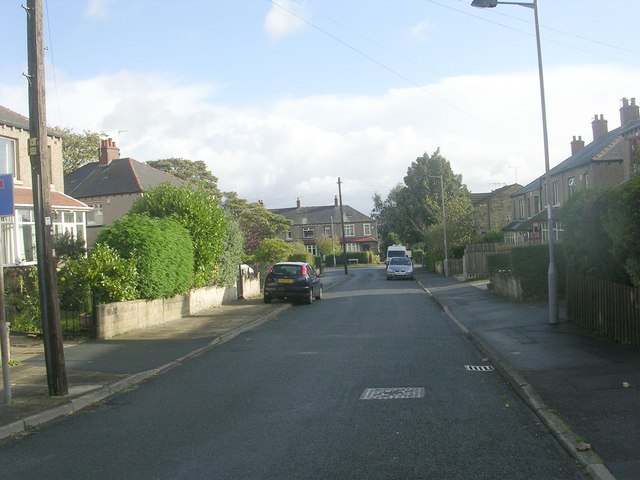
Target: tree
[[204, 219], [256, 222], [412, 212], [273, 250], [193, 171], [79, 149]]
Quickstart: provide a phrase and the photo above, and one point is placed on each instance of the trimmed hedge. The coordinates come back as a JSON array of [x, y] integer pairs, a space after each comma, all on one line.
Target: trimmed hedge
[[531, 264], [161, 248]]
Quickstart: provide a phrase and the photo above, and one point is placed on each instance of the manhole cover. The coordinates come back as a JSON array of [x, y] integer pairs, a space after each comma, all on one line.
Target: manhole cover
[[392, 393], [479, 368]]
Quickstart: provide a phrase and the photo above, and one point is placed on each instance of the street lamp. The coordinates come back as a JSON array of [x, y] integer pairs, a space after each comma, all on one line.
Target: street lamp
[[552, 274], [444, 225]]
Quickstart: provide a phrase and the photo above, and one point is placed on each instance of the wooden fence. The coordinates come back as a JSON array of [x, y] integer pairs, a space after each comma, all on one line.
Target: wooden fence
[[475, 258], [604, 308]]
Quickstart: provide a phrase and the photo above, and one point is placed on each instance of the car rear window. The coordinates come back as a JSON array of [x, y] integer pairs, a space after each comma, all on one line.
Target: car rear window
[[287, 269], [400, 261]]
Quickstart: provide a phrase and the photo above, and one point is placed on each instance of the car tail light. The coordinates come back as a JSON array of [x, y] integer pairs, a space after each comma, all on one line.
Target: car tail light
[[303, 270]]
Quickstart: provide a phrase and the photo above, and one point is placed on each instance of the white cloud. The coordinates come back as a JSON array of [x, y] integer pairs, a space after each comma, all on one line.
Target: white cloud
[[419, 30], [283, 18], [97, 9], [488, 127]]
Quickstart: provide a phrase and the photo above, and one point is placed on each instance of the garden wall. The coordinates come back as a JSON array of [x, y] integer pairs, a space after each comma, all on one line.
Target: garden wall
[[117, 318]]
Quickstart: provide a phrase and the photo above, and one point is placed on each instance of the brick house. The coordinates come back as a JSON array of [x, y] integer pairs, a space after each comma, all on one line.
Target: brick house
[[493, 210], [312, 223], [605, 162], [111, 185], [18, 230]]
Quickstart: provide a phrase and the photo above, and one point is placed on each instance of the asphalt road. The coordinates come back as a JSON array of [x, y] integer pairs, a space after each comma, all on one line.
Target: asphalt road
[[285, 401]]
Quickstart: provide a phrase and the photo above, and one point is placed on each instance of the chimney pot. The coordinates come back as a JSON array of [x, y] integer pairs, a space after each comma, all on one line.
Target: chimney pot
[[576, 145], [298, 203], [335, 201], [599, 126], [108, 151], [629, 111]]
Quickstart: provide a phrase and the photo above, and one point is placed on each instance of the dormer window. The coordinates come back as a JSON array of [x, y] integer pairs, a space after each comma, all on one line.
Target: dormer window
[[7, 156]]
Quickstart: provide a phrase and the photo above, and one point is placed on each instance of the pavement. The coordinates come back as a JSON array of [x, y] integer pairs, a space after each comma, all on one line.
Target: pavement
[[584, 388]]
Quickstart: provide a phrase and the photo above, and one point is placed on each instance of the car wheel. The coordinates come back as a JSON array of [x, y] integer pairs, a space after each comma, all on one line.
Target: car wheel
[[267, 298], [309, 299], [319, 296]]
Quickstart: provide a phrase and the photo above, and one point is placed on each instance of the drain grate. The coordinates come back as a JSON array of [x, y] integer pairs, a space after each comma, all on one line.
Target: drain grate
[[392, 393], [479, 368]]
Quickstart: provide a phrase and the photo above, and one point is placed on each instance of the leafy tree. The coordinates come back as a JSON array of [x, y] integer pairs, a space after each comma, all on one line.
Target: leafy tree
[[162, 250], [232, 253], [79, 149], [256, 222], [326, 245], [68, 246], [205, 221], [273, 250], [193, 171], [412, 212]]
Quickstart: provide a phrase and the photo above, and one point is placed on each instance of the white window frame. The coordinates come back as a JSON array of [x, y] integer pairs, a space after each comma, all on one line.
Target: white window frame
[[555, 188], [350, 230], [95, 217], [312, 249], [308, 232], [366, 229], [18, 233], [352, 247], [8, 156], [521, 207]]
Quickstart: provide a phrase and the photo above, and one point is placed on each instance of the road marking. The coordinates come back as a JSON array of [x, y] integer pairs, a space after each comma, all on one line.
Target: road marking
[[392, 393], [479, 368]]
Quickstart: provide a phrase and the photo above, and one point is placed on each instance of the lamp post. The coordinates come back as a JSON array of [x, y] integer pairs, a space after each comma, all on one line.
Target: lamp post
[[552, 273], [444, 225]]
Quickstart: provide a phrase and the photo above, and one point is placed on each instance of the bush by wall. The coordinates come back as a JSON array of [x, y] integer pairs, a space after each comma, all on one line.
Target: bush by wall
[[162, 250], [302, 257], [531, 265]]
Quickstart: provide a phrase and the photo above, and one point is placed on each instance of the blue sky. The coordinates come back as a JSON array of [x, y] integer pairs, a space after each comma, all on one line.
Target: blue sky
[[282, 97]]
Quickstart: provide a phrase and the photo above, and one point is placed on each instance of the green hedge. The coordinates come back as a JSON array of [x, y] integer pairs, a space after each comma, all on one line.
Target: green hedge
[[162, 249], [531, 265], [302, 257]]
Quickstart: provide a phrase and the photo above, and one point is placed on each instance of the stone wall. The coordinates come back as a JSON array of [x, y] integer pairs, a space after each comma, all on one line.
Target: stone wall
[[121, 317], [506, 285]]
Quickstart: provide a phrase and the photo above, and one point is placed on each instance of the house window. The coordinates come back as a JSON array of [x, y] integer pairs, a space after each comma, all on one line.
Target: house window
[[556, 192], [95, 216], [352, 247], [366, 228], [312, 249], [307, 232], [68, 222], [7, 156], [536, 204], [26, 241], [349, 230], [289, 235], [521, 207], [572, 186]]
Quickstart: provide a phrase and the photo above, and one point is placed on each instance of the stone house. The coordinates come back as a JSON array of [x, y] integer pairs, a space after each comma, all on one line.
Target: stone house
[[493, 210], [604, 162], [312, 223], [111, 185], [18, 230]]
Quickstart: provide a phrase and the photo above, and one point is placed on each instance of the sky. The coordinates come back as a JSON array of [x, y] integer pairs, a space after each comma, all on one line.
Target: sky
[[281, 98]]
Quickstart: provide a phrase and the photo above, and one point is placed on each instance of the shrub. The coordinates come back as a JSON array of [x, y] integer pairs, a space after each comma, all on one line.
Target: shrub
[[23, 298], [231, 255], [199, 213], [110, 277], [66, 246], [161, 248]]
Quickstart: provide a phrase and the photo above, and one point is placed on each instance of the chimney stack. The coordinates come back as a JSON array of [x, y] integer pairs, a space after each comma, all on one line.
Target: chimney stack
[[108, 151], [576, 145], [628, 112], [600, 127], [335, 201], [298, 203]]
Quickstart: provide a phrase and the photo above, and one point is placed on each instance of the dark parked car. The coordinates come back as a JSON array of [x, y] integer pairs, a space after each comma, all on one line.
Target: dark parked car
[[292, 280]]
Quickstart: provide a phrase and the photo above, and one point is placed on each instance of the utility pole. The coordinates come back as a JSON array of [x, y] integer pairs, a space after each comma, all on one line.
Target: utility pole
[[41, 186], [344, 241]]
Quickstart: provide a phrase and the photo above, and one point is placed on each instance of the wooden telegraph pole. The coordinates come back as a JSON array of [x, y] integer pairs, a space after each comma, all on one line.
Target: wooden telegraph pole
[[41, 181]]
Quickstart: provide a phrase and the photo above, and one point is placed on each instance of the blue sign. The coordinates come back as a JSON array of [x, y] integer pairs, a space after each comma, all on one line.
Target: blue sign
[[6, 195]]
